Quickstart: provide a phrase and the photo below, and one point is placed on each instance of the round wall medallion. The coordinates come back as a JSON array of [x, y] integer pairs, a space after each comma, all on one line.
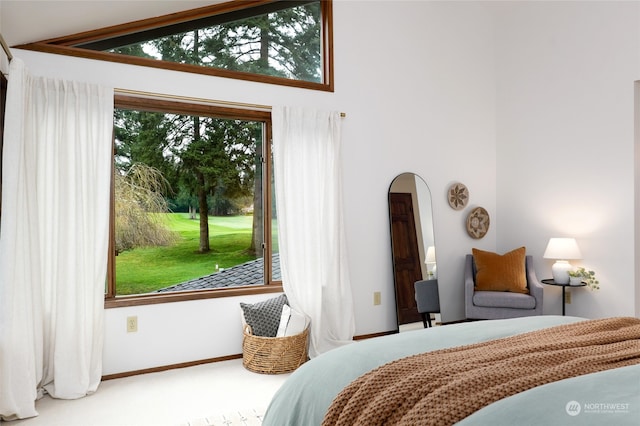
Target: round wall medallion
[[458, 196], [478, 223]]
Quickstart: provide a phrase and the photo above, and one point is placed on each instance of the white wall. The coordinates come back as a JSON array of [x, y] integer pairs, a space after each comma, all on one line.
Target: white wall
[[420, 98], [565, 146], [416, 80], [429, 87], [173, 333]]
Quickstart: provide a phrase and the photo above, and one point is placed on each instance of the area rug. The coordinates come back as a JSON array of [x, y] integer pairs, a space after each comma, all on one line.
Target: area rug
[[249, 417]]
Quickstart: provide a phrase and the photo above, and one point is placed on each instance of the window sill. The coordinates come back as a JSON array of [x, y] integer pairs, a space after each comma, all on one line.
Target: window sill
[[138, 300]]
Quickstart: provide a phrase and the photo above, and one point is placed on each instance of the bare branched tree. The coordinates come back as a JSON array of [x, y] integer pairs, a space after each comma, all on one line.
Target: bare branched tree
[[139, 202]]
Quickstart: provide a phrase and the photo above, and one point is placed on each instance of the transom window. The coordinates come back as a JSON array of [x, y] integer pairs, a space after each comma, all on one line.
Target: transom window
[[192, 201], [280, 42]]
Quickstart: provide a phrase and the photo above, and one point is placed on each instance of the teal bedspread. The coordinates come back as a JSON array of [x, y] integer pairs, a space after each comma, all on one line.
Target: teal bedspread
[[610, 397]]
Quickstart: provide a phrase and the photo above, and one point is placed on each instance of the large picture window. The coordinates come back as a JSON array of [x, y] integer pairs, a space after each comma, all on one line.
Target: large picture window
[[279, 42], [192, 201]]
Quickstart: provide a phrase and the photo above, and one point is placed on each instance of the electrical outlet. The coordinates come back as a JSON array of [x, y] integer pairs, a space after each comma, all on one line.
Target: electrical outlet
[[377, 298], [567, 298], [132, 324]]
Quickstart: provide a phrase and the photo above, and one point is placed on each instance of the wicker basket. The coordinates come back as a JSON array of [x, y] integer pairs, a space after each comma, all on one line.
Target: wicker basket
[[274, 355]]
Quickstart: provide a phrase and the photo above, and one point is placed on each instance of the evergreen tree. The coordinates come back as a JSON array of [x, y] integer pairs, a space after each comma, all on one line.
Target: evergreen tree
[[144, 137], [286, 43], [217, 161]]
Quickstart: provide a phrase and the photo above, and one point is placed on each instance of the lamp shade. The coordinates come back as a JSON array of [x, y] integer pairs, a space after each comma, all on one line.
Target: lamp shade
[[431, 255], [430, 260], [562, 248]]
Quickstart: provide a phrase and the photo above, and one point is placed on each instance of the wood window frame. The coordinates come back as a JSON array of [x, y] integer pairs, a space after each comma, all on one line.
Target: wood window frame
[[66, 45], [3, 112], [191, 108]]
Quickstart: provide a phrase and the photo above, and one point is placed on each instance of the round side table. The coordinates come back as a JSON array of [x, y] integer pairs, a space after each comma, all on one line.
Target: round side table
[[564, 286]]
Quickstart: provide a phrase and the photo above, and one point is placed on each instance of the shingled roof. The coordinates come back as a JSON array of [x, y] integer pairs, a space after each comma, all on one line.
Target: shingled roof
[[249, 273]]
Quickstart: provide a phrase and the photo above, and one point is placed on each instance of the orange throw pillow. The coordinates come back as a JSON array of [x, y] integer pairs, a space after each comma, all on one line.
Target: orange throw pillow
[[505, 272]]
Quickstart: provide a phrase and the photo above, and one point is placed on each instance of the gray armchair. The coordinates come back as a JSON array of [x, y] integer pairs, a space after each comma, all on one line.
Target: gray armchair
[[501, 304], [427, 300]]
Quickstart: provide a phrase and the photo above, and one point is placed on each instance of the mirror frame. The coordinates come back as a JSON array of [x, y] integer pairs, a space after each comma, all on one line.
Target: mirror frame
[[409, 252]]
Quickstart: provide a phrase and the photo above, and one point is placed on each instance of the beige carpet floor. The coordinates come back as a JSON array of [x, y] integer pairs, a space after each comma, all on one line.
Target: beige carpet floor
[[196, 396], [249, 417]]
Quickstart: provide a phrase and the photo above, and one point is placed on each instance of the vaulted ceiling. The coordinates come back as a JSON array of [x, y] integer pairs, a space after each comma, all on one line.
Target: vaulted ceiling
[[27, 21]]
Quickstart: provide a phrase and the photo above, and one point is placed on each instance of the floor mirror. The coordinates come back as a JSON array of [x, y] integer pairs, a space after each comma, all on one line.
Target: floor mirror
[[412, 243]]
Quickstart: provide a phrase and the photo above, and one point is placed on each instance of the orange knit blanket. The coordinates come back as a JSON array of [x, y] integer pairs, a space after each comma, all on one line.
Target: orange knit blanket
[[445, 386]]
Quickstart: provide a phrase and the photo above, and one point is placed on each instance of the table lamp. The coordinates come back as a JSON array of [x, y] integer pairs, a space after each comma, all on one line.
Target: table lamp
[[431, 262], [563, 250]]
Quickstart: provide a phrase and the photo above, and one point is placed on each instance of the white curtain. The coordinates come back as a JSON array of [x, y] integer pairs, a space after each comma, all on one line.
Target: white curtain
[[53, 239], [313, 255]]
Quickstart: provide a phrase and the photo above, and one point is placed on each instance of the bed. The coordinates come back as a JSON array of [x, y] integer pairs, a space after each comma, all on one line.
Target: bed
[[611, 397]]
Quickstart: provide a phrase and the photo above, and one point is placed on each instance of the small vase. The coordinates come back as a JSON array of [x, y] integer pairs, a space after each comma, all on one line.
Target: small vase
[[575, 280]]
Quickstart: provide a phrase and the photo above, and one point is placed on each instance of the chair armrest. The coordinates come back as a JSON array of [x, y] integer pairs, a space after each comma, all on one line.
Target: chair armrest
[[469, 283], [535, 287]]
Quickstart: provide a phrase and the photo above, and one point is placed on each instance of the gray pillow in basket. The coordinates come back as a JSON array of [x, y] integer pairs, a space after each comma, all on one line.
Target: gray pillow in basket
[[264, 317]]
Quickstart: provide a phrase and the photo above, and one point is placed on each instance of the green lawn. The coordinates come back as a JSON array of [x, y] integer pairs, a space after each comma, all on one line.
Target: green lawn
[[147, 269]]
